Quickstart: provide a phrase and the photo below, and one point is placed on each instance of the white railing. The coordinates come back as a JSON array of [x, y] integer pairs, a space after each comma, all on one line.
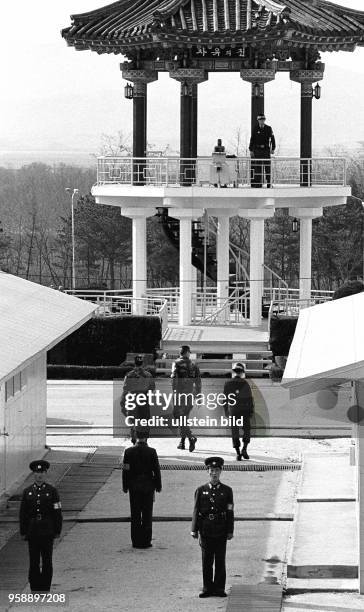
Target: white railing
[[121, 302], [230, 311], [293, 304], [232, 172]]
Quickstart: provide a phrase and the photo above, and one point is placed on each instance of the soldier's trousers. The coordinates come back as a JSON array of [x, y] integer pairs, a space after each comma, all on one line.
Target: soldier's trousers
[[141, 513], [259, 167], [213, 550], [246, 432], [40, 547], [180, 412]]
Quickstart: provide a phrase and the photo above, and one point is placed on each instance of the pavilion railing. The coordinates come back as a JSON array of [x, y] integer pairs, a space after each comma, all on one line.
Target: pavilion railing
[[233, 172]]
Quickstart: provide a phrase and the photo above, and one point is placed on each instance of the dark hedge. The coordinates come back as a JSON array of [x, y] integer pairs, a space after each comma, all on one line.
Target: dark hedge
[[348, 288], [281, 334], [105, 341], [61, 372]]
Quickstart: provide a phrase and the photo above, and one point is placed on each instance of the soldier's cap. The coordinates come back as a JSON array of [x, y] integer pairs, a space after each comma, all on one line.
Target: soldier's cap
[[141, 432], [261, 116], [39, 466], [184, 349], [238, 366], [214, 462], [138, 360]]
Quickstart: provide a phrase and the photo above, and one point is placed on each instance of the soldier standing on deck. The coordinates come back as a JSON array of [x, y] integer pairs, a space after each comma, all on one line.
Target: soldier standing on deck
[[40, 522], [242, 406], [262, 144], [213, 521], [186, 383], [138, 380], [141, 477]]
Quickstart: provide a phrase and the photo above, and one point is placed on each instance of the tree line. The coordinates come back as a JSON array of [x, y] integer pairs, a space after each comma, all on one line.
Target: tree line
[[36, 239]]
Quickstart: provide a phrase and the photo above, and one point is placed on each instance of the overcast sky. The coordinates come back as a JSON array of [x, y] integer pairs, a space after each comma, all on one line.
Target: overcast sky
[[56, 98]]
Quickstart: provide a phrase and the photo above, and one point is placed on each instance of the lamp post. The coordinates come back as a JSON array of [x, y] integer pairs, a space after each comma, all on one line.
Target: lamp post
[[73, 194]]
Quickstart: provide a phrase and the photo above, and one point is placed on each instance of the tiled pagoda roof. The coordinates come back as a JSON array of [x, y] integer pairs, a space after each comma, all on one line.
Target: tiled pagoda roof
[[131, 22]]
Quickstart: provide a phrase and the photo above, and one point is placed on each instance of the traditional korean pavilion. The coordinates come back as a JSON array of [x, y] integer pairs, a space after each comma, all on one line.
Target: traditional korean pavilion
[[189, 39]]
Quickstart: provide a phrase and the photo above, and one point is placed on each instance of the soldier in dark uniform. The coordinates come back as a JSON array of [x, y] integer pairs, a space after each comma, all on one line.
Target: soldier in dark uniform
[[141, 477], [138, 380], [262, 144], [186, 383], [40, 522], [213, 520], [243, 407]]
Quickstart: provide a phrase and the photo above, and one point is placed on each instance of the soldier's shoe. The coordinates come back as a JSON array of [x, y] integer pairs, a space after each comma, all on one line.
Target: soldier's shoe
[[206, 594], [220, 594], [181, 445], [244, 453], [192, 446], [238, 455]]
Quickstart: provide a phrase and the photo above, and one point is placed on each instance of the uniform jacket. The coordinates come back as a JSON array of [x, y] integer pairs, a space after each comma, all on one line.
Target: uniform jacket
[[186, 376], [141, 469], [213, 513], [262, 139], [242, 392], [137, 380], [40, 511]]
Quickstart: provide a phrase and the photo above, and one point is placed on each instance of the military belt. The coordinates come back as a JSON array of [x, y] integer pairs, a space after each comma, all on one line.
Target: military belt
[[212, 517]]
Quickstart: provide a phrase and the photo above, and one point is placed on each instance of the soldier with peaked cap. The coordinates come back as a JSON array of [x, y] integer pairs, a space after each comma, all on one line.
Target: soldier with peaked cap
[[141, 478], [242, 406], [40, 522], [186, 384], [137, 381], [213, 521], [262, 144]]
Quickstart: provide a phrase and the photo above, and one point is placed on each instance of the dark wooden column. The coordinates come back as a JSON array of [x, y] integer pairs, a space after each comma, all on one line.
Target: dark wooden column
[[140, 78], [257, 106], [257, 77], [189, 79], [194, 120], [186, 121], [140, 119], [306, 78]]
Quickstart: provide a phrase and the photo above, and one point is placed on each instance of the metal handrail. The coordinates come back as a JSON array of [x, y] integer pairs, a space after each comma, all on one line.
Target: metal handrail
[[235, 172]]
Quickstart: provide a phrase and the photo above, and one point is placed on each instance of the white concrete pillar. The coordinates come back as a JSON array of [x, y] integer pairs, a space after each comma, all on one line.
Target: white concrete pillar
[[305, 215], [222, 254], [139, 255], [256, 269], [185, 266]]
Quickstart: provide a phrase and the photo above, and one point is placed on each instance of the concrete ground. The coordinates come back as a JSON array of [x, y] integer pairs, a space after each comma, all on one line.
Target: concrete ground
[[98, 569]]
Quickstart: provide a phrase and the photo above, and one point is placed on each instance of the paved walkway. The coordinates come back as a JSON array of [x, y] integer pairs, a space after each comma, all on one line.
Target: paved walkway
[[95, 563], [97, 568]]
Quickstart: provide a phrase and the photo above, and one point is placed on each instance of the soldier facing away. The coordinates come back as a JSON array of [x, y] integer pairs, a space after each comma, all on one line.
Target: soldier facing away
[[186, 384], [242, 406], [138, 380], [40, 522], [213, 521], [141, 478]]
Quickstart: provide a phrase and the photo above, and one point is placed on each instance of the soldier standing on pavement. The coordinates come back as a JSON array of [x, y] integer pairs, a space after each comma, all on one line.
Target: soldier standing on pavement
[[186, 383], [241, 406], [138, 380], [141, 478], [213, 521], [40, 522], [262, 144]]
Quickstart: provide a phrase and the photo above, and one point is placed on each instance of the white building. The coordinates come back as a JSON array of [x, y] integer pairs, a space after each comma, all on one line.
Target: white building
[[32, 320]]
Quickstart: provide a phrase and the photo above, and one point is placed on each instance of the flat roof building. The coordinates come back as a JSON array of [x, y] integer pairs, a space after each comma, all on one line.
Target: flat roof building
[[33, 319]]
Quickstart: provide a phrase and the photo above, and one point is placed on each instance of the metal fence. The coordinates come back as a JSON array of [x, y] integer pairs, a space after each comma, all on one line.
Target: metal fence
[[232, 172]]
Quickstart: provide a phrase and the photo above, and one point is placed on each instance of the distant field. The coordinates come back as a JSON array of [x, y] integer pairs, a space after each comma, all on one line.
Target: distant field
[[16, 159]]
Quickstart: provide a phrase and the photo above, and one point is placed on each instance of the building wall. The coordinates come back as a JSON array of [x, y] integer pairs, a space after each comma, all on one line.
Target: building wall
[[23, 411]]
